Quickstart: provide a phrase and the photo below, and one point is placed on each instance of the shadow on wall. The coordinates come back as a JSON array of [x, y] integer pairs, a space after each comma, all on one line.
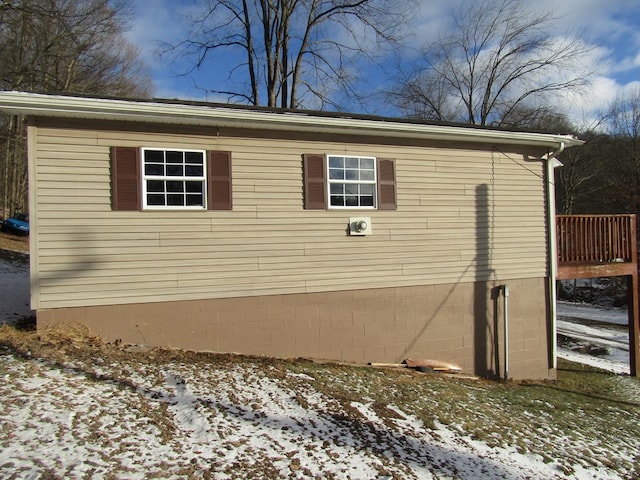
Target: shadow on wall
[[486, 314], [486, 318], [68, 274]]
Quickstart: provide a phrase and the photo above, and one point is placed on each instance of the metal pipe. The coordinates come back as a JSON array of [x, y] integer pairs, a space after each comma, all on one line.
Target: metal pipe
[[505, 314]]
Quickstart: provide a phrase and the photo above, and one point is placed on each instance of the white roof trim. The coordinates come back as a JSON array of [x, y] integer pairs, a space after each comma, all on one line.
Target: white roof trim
[[20, 103]]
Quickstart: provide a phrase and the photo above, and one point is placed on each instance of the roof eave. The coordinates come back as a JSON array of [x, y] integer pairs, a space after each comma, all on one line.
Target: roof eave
[[40, 105]]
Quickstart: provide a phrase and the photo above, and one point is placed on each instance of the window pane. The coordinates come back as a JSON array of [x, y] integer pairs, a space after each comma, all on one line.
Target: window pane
[[155, 199], [174, 157], [193, 170], [366, 190], [352, 175], [336, 162], [336, 189], [351, 201], [337, 200], [194, 187], [175, 187], [194, 200], [336, 174], [366, 163], [351, 189], [194, 157], [175, 200], [153, 169], [154, 156], [155, 186], [175, 170], [366, 201], [352, 162], [367, 175]]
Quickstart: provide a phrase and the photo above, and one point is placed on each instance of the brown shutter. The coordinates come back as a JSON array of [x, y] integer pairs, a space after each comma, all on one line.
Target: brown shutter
[[315, 196], [219, 190], [386, 184], [125, 179]]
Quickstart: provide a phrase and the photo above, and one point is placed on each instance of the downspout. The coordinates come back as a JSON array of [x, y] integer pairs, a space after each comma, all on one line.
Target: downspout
[[553, 248], [505, 313]]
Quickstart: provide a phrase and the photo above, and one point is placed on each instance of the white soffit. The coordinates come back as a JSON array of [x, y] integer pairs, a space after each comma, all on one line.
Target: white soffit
[[39, 105]]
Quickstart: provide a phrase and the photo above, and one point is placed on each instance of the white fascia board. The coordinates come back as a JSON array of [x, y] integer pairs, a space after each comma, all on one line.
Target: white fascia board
[[39, 105]]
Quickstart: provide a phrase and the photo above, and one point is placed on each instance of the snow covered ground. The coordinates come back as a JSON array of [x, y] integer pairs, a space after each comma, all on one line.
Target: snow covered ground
[[248, 419], [586, 326]]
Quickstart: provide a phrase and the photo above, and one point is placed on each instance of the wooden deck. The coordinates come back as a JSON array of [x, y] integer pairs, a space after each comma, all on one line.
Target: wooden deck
[[590, 246]]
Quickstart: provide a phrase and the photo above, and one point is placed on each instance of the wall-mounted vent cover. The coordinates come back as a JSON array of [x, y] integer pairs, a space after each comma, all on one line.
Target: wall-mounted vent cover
[[360, 226]]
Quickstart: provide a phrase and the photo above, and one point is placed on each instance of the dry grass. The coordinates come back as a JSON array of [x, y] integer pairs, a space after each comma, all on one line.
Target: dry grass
[[14, 243]]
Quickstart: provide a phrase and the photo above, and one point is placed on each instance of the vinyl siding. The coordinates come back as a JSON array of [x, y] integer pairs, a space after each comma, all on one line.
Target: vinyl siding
[[462, 215]]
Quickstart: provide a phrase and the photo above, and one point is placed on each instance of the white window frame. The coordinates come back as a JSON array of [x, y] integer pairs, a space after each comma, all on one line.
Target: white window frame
[[373, 182], [201, 178]]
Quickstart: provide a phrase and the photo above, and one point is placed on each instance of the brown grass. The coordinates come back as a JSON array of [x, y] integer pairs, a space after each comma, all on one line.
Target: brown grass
[[14, 243], [53, 343]]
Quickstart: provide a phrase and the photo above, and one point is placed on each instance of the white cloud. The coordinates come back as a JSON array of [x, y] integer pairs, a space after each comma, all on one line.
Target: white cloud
[[155, 22], [611, 29]]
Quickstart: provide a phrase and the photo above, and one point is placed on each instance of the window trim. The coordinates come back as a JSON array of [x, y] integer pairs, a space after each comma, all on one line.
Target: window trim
[[373, 182], [203, 179]]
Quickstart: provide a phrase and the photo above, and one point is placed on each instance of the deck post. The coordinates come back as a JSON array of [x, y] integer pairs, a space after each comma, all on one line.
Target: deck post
[[633, 308], [634, 325]]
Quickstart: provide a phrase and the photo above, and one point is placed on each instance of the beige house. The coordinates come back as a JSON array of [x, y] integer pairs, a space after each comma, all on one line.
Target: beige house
[[269, 232]]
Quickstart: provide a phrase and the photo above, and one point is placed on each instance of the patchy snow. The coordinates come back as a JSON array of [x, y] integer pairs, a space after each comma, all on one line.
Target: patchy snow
[[194, 422], [602, 327], [617, 316]]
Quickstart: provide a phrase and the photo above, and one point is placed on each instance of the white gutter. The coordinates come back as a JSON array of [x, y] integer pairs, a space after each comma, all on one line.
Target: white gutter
[[553, 248], [39, 105]]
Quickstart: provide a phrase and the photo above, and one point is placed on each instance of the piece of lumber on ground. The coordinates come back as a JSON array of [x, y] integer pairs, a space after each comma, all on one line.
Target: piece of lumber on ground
[[437, 365], [388, 365]]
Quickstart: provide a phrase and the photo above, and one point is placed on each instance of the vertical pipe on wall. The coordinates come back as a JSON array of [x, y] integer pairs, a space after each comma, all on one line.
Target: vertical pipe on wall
[[505, 313], [552, 260]]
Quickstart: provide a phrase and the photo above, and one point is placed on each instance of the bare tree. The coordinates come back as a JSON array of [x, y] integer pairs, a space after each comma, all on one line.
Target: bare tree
[[290, 50], [603, 176], [624, 157], [496, 61], [60, 46], [583, 177]]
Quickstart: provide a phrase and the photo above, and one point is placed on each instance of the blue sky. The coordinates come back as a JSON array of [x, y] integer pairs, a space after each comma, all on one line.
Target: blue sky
[[610, 27]]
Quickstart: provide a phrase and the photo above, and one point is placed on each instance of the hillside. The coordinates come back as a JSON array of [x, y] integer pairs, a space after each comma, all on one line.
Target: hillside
[[73, 407]]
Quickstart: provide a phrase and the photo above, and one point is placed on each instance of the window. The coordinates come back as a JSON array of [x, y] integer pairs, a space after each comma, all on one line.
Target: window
[[352, 182], [349, 182], [165, 179], [173, 178]]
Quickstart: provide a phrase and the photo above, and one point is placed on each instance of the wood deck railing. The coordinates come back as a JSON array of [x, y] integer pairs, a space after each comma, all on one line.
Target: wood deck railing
[[596, 239], [591, 246]]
